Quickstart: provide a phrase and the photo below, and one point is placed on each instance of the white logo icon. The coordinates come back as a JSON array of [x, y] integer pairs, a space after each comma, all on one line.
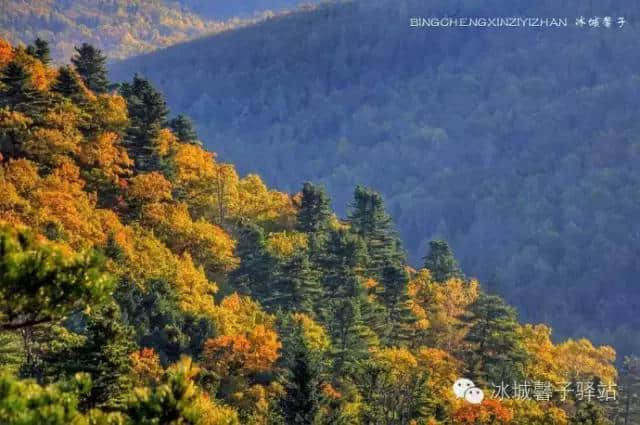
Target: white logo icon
[[461, 386], [474, 395], [465, 388]]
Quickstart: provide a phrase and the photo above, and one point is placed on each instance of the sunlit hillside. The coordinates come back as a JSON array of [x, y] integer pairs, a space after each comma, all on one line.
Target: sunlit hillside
[[143, 281], [519, 146]]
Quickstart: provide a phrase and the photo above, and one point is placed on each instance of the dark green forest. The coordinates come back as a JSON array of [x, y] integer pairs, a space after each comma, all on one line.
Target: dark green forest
[[519, 146]]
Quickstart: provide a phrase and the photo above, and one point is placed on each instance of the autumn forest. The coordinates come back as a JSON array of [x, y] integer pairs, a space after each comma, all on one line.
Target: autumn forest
[[144, 281]]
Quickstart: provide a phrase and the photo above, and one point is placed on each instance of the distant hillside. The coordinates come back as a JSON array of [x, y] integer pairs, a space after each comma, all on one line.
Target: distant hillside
[[519, 145], [224, 9], [120, 28]]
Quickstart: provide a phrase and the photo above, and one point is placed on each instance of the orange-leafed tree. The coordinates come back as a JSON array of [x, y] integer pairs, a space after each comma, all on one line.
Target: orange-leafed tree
[[489, 412]]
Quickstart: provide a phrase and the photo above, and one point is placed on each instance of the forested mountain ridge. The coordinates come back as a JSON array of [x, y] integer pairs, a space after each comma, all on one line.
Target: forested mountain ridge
[[123, 28], [517, 145], [143, 281]]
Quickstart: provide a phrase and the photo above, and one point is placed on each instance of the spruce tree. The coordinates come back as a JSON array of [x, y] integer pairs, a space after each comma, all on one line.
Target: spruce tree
[[40, 50], [256, 268], [303, 377], [395, 281], [298, 286], [18, 91], [90, 64], [147, 114], [352, 337], [159, 322], [496, 352], [346, 309], [183, 128], [104, 355], [441, 262], [369, 219], [67, 85], [315, 209]]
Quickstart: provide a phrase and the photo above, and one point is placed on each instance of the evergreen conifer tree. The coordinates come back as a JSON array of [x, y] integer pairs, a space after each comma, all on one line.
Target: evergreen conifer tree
[[40, 49], [370, 220], [496, 353], [147, 113], [67, 85], [315, 209], [441, 262], [90, 64], [182, 126], [18, 91]]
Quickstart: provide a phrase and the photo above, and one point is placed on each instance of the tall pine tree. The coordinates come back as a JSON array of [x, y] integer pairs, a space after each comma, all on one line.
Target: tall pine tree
[[183, 127], [441, 262], [370, 220], [147, 114], [315, 209], [18, 91], [40, 50], [91, 65], [395, 281], [67, 85], [495, 351]]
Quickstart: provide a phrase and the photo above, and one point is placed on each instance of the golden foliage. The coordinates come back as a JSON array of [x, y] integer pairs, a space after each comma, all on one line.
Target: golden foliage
[[443, 370], [252, 352], [150, 187], [146, 366], [527, 412], [194, 289], [59, 139], [314, 334], [165, 142], [110, 112], [579, 359], [215, 192], [542, 363], [214, 413], [107, 155], [438, 307], [236, 314], [208, 244], [284, 244]]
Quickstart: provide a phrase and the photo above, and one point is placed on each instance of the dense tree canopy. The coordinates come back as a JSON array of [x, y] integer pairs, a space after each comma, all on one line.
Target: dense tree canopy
[[518, 146], [143, 281]]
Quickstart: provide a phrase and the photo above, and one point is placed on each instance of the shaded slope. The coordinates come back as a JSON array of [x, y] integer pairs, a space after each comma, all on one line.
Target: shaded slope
[[519, 145]]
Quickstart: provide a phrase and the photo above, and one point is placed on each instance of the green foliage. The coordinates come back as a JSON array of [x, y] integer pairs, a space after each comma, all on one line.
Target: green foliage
[[40, 283], [519, 148], [589, 414], [148, 113], [27, 403], [305, 369], [315, 209], [17, 89], [40, 50], [174, 402], [104, 355], [90, 64], [441, 262], [395, 297], [67, 84], [159, 323], [495, 353], [11, 352], [183, 127], [369, 220]]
